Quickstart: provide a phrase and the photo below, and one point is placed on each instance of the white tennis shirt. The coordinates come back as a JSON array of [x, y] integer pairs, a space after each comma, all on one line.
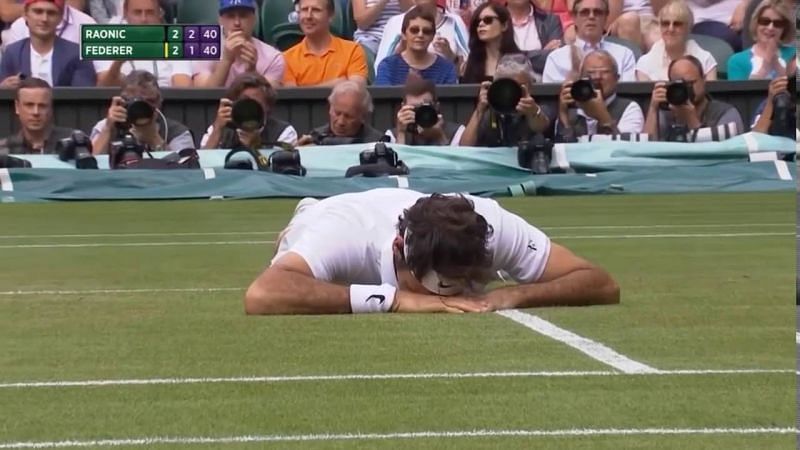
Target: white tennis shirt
[[348, 238]]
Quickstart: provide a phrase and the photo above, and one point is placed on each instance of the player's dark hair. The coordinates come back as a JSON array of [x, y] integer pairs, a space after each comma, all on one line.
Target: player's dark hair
[[32, 83], [250, 80], [447, 235]]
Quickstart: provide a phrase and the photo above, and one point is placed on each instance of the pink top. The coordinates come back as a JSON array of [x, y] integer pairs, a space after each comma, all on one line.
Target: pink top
[[270, 64]]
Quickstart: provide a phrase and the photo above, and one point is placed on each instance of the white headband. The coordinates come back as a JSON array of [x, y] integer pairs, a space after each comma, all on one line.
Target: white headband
[[432, 280]]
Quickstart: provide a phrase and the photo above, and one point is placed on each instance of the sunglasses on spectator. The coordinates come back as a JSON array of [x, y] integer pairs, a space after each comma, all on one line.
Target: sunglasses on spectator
[[417, 30], [766, 21], [587, 12], [673, 23], [487, 20]]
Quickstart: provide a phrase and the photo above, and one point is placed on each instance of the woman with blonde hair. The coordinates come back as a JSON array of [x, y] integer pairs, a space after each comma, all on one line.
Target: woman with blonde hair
[[773, 30], [675, 20]]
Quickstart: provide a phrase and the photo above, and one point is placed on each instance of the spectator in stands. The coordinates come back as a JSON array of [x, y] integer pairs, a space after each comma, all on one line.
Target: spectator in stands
[[107, 11], [536, 32], [774, 31], [349, 112], [590, 20], [491, 36], [223, 134], [45, 55], [786, 114], [417, 92], [69, 27], [487, 128], [605, 113], [722, 19], [702, 118], [322, 59], [170, 73], [563, 9], [371, 17], [34, 108], [241, 51], [675, 20], [450, 42], [157, 133], [635, 21], [418, 29]]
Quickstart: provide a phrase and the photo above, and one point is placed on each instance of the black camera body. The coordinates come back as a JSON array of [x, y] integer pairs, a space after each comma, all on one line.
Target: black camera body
[[247, 114], [139, 112], [125, 151], [286, 162], [378, 161], [784, 112], [77, 147], [326, 138], [504, 95], [679, 92], [425, 116], [582, 90], [535, 154]]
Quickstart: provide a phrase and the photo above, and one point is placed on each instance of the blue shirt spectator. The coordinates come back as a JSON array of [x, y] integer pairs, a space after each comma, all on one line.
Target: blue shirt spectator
[[394, 70]]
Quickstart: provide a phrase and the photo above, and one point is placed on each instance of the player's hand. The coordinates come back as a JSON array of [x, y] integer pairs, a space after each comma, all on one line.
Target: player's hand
[[224, 112], [117, 113], [11, 82], [409, 302], [305, 140]]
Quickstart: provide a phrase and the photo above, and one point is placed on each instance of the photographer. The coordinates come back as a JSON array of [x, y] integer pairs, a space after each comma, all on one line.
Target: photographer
[[137, 112], [777, 115], [591, 106], [506, 113], [419, 121], [682, 111], [350, 107], [225, 133], [34, 107]]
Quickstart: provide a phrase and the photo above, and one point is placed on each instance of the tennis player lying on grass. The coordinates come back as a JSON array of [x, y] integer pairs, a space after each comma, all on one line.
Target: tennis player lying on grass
[[396, 250]]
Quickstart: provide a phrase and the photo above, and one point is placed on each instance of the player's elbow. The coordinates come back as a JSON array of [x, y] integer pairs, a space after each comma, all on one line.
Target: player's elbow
[[258, 301]]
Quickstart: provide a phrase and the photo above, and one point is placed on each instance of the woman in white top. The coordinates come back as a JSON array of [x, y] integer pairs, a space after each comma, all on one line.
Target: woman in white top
[[676, 21], [371, 17]]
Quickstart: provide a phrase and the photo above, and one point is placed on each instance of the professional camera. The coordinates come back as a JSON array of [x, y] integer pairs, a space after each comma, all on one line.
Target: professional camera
[[582, 90], [784, 113], [378, 161], [77, 147], [504, 95], [327, 138], [286, 162], [426, 115], [536, 154], [247, 114], [125, 151], [139, 113], [679, 92]]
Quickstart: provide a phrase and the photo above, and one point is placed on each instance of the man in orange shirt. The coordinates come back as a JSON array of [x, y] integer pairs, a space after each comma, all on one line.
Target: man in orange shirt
[[322, 59]]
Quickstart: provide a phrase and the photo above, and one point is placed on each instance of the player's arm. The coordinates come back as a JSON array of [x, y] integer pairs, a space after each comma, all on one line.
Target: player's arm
[[567, 280], [289, 287]]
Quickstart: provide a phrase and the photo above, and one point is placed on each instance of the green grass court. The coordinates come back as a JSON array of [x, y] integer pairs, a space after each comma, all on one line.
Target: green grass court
[[151, 293]]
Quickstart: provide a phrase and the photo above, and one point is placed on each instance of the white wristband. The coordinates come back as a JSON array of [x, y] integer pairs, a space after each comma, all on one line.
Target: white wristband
[[370, 298]]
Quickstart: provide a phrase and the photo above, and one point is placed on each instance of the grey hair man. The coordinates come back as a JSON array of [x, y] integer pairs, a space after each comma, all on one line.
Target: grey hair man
[[350, 108]]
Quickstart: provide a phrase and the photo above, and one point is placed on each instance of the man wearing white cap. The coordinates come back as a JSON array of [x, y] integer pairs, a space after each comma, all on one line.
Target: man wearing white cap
[[396, 250]]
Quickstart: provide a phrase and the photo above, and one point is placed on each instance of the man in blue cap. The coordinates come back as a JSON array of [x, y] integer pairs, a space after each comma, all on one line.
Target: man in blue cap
[[241, 52]]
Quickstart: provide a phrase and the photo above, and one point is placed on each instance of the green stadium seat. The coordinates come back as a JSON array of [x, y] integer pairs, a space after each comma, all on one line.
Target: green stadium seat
[[198, 11], [637, 52], [275, 16], [370, 57], [286, 36], [718, 48]]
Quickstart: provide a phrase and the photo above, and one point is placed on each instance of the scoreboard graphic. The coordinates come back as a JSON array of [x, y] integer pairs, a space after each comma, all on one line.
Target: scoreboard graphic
[[138, 42]]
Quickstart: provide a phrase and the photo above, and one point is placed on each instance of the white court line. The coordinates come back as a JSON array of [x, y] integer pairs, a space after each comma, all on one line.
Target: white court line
[[380, 376], [195, 243], [400, 435], [235, 233], [593, 349], [122, 291]]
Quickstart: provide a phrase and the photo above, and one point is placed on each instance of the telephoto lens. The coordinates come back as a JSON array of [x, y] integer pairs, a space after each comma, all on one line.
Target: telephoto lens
[[504, 95], [426, 115], [247, 114]]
